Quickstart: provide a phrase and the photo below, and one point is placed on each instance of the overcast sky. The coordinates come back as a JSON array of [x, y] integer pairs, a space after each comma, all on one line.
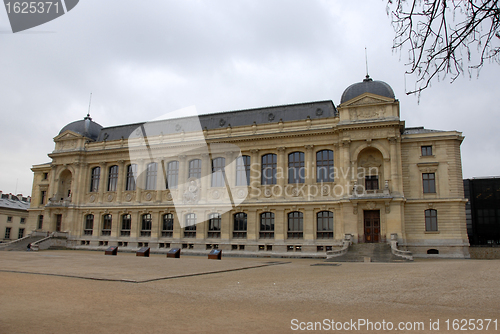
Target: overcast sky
[[142, 59]]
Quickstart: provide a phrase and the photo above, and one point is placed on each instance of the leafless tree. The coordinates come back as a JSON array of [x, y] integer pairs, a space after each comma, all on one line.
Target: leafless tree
[[445, 37]]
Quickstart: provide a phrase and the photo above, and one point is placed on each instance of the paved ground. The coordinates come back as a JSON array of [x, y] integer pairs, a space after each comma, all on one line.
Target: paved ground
[[87, 292]]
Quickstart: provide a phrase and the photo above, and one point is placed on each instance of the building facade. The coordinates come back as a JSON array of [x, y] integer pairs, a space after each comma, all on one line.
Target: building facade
[[293, 179], [13, 216]]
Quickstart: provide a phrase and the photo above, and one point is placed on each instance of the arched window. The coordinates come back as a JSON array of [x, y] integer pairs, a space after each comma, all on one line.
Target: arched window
[[214, 225], [296, 170], [89, 224], [172, 174], [146, 225], [269, 163], [324, 225], [295, 225], [324, 166], [106, 224], [190, 229], [131, 176], [431, 223], [195, 168], [266, 225], [151, 172], [243, 170], [218, 165], [94, 179], [240, 225], [168, 225], [112, 178], [126, 225]]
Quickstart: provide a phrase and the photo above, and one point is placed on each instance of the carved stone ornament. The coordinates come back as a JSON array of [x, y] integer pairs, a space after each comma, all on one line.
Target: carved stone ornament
[[270, 117], [215, 194], [92, 199], [325, 190], [148, 196], [242, 193], [371, 205], [370, 162], [191, 195], [268, 192], [128, 197], [319, 112], [109, 197], [222, 122], [178, 127], [168, 196]]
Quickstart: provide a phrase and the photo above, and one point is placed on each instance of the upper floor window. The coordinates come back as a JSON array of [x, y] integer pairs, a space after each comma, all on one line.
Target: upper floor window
[[296, 170], [113, 178], [43, 195], [23, 220], [240, 225], [266, 225], [324, 166], [89, 224], [172, 174], [218, 165], [243, 170], [195, 168], [94, 179], [45, 176], [426, 150], [190, 229], [126, 225], [146, 225], [325, 225], [295, 225], [167, 229], [214, 226], [269, 163], [429, 182], [431, 220], [151, 172], [9, 219], [106, 224], [371, 182], [131, 176]]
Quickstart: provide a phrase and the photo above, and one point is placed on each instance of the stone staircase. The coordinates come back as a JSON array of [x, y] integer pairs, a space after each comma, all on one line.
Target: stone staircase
[[370, 252], [21, 244]]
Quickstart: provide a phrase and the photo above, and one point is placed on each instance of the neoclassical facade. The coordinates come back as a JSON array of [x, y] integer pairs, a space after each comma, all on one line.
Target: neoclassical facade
[[293, 179]]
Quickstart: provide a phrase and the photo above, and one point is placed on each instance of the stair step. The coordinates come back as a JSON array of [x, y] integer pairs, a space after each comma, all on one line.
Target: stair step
[[372, 252]]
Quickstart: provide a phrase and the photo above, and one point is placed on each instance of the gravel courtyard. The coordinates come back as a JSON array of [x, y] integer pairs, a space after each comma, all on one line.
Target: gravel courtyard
[[88, 292]]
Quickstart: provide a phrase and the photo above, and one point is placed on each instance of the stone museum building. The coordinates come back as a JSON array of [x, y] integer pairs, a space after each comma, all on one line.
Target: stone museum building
[[285, 180]]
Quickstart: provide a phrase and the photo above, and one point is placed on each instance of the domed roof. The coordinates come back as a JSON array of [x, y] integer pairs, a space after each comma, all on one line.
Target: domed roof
[[367, 86], [85, 127]]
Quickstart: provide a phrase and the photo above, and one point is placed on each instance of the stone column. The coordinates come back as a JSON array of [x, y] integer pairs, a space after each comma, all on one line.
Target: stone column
[[183, 175], [309, 164], [115, 224], [155, 225], [230, 172], [309, 222], [225, 229], [122, 178], [53, 183], [206, 172], [141, 179], [280, 225], [282, 171], [135, 224], [103, 182], [160, 181], [394, 186], [252, 224], [255, 170]]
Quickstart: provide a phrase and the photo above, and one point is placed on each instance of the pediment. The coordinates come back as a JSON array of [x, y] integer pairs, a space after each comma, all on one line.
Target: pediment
[[367, 98], [67, 135]]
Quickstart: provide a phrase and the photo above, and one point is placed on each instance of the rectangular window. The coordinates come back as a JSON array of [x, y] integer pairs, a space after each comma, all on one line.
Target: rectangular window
[[371, 182], [106, 224], [218, 173], [146, 225], [426, 150], [296, 170], [94, 179], [131, 176], [168, 225], [126, 224], [324, 225], [23, 220], [195, 168], [243, 171], [40, 222], [295, 225], [7, 233], [190, 229], [151, 173], [172, 174], [43, 194], [269, 164], [9, 219], [45, 176], [214, 226], [431, 220], [240, 225], [112, 178], [89, 225], [324, 166], [266, 225], [429, 183], [20, 234]]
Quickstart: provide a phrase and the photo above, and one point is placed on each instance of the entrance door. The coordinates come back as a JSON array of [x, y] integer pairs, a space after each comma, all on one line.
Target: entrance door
[[58, 223], [372, 225]]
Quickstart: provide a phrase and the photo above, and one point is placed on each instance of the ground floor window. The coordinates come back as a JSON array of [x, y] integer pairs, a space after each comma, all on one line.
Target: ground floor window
[[266, 225], [295, 225], [146, 225], [106, 224], [431, 220], [168, 225], [126, 225], [89, 225], [190, 229], [20, 234], [324, 225], [240, 225], [214, 223]]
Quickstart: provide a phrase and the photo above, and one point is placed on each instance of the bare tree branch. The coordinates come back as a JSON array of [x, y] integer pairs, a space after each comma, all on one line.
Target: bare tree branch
[[440, 34]]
